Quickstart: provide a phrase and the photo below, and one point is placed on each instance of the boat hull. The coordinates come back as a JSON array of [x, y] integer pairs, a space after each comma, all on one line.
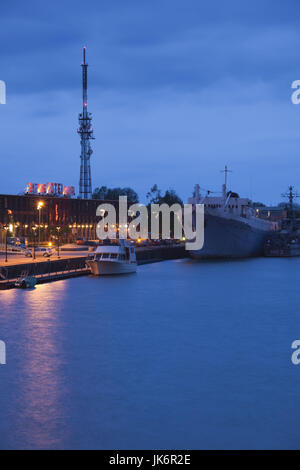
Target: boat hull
[[25, 283], [230, 238], [283, 253], [280, 246], [106, 268]]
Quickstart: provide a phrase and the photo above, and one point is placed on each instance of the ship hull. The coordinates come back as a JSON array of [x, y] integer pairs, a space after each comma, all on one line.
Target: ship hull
[[230, 238], [106, 268]]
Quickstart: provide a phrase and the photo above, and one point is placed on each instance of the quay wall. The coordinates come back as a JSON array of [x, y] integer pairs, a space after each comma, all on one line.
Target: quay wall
[[50, 266], [42, 267], [154, 254]]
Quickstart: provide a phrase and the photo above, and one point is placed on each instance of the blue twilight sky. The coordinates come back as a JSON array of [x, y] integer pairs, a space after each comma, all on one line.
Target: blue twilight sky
[[177, 88]]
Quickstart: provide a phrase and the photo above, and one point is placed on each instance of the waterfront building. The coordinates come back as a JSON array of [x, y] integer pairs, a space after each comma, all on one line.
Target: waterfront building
[[274, 213], [21, 213]]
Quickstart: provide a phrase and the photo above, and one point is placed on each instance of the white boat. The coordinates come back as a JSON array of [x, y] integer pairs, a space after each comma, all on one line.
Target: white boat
[[113, 258], [25, 281]]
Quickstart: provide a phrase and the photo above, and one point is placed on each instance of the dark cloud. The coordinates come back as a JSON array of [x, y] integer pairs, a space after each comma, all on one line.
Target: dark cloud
[[168, 81], [141, 44]]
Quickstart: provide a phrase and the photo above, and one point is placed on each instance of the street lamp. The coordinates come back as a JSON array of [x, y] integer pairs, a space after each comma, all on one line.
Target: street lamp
[[6, 228], [58, 230], [34, 234], [40, 205]]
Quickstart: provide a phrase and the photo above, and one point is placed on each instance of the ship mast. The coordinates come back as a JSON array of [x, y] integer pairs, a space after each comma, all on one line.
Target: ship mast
[[291, 196], [224, 186], [86, 134]]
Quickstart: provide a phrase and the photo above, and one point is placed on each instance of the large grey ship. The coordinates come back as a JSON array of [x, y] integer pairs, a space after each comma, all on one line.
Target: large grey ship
[[232, 228]]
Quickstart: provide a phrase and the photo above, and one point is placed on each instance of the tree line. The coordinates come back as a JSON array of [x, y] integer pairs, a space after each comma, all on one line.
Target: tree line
[[154, 196]]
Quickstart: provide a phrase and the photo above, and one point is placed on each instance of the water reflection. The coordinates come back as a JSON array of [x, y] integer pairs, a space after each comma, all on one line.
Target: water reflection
[[39, 385], [7, 297], [182, 355]]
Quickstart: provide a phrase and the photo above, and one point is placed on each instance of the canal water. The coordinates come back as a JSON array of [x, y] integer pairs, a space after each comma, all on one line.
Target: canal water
[[181, 355]]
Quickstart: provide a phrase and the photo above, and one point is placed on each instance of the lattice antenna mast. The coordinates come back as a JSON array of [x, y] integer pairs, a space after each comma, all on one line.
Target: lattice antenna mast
[[291, 194], [86, 135]]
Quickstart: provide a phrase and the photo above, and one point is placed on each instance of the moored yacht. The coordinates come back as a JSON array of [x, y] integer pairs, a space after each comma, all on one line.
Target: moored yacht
[[113, 258]]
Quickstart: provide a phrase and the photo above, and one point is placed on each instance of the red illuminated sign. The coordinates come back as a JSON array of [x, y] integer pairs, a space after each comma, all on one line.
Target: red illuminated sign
[[50, 189]]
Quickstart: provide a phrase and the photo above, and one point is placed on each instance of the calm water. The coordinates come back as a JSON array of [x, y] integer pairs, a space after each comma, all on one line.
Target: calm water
[[180, 355]]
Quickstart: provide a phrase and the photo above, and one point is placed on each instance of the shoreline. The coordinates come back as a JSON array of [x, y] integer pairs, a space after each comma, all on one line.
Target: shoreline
[[74, 266]]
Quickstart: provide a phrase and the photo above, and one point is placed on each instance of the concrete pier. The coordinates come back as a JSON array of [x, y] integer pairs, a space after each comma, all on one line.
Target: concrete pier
[[53, 269], [43, 271]]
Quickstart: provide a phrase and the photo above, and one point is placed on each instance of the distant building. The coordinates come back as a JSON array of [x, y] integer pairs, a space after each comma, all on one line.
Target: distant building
[[21, 214], [275, 213]]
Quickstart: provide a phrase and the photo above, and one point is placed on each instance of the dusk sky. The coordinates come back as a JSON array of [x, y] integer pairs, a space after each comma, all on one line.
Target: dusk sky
[[177, 90]]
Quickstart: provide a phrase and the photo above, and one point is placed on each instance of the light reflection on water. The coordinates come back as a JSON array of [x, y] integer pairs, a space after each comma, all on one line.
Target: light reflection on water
[[38, 383], [180, 355]]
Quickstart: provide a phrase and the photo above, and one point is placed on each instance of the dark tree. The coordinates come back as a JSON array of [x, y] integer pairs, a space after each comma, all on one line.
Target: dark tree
[[154, 195], [112, 194], [170, 197]]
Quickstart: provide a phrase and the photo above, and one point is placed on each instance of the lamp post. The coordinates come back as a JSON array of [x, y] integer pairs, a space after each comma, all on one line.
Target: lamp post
[[6, 228], [58, 230], [40, 205], [34, 235]]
